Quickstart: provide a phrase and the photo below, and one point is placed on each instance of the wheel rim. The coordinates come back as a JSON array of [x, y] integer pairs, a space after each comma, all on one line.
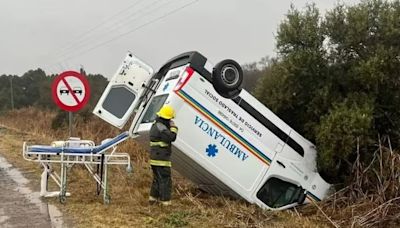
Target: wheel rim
[[230, 75]]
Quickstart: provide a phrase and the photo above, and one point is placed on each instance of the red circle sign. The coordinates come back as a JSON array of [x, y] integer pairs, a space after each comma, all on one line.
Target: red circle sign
[[70, 91]]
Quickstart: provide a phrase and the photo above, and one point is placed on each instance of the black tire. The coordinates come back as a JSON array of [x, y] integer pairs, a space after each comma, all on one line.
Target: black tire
[[227, 78]]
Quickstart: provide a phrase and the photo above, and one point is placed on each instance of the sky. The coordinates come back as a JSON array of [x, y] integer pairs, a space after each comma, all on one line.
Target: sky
[[59, 35]]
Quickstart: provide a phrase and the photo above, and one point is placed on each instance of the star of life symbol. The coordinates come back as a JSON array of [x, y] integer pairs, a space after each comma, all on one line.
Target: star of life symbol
[[165, 87], [212, 150]]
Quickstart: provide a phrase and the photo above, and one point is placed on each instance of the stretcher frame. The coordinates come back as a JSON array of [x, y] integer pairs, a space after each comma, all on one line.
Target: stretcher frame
[[84, 153]]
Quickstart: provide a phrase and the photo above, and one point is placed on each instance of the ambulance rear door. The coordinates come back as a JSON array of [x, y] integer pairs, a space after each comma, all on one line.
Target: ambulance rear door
[[124, 91]]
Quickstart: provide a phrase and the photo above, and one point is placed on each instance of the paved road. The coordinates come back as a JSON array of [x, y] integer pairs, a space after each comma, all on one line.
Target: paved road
[[19, 207]]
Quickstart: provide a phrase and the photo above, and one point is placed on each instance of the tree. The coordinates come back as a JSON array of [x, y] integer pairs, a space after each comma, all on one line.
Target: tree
[[252, 73], [336, 79], [5, 92]]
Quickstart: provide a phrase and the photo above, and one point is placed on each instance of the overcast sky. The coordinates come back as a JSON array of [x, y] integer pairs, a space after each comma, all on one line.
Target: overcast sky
[[58, 35]]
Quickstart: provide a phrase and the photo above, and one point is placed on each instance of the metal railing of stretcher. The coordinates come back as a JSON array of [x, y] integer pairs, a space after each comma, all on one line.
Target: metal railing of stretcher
[[76, 151]]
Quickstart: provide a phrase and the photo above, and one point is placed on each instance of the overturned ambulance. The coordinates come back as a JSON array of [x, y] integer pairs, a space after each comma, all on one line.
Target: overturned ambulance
[[228, 142]]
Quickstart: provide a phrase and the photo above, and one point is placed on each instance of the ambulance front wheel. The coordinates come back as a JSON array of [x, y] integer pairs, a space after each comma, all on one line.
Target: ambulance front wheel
[[227, 78]]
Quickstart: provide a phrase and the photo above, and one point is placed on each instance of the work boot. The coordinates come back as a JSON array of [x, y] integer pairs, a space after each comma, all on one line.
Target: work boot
[[152, 200], [166, 203]]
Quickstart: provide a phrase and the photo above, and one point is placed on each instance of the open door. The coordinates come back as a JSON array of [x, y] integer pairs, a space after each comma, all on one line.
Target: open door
[[124, 91]]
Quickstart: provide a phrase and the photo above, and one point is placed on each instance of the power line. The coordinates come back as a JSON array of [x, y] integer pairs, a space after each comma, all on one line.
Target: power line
[[133, 30], [79, 37], [88, 41], [84, 35]]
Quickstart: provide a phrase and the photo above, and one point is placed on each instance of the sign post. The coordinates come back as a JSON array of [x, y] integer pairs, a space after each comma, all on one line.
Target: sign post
[[71, 92], [70, 121]]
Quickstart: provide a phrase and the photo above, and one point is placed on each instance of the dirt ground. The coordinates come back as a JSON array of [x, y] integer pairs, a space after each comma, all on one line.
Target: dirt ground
[[20, 206], [129, 206], [16, 209]]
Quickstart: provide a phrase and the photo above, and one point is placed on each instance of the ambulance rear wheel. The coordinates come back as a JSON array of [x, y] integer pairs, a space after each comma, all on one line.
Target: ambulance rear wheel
[[227, 78]]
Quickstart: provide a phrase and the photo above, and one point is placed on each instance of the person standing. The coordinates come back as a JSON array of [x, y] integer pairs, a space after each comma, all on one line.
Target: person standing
[[162, 133]]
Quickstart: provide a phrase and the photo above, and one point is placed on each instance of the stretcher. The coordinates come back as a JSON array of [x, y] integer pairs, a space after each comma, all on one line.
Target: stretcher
[[95, 158]]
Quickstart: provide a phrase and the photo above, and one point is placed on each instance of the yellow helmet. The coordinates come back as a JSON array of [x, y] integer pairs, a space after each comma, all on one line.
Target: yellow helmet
[[166, 112]]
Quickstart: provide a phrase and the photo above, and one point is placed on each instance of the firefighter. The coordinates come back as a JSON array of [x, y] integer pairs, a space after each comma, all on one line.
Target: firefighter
[[162, 134]]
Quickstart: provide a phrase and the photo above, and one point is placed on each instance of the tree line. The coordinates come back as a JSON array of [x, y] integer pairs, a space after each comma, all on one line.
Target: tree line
[[34, 89]]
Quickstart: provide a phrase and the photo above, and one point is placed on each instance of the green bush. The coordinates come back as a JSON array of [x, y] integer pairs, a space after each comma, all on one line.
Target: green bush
[[337, 135]]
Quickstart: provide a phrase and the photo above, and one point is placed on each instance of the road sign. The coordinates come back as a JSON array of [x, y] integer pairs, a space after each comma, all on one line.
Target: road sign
[[70, 91]]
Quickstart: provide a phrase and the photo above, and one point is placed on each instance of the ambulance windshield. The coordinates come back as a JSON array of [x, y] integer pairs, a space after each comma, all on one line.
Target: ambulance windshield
[[278, 193], [153, 108]]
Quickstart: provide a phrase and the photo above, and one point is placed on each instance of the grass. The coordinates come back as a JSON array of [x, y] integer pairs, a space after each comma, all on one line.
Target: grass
[[129, 192]]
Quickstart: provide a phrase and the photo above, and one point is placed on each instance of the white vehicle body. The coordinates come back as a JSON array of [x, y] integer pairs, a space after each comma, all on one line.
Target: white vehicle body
[[234, 146]]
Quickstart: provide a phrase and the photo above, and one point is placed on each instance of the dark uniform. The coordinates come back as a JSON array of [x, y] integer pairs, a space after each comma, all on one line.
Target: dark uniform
[[161, 136]]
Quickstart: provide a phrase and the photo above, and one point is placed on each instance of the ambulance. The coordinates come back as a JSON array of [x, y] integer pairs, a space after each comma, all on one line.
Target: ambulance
[[228, 142]]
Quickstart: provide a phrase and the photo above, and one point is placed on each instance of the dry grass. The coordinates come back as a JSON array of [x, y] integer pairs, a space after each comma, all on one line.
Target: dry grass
[[373, 197], [191, 208]]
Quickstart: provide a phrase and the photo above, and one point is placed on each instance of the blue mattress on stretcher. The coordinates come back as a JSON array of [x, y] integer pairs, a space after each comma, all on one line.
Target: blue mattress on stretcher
[[83, 150]]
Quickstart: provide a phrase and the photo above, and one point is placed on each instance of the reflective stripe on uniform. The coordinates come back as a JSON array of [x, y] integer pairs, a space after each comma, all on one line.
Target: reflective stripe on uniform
[[174, 129], [159, 143], [160, 163]]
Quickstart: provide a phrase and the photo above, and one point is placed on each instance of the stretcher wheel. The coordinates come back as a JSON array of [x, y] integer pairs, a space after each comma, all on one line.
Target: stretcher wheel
[[62, 199], [107, 199], [129, 169]]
